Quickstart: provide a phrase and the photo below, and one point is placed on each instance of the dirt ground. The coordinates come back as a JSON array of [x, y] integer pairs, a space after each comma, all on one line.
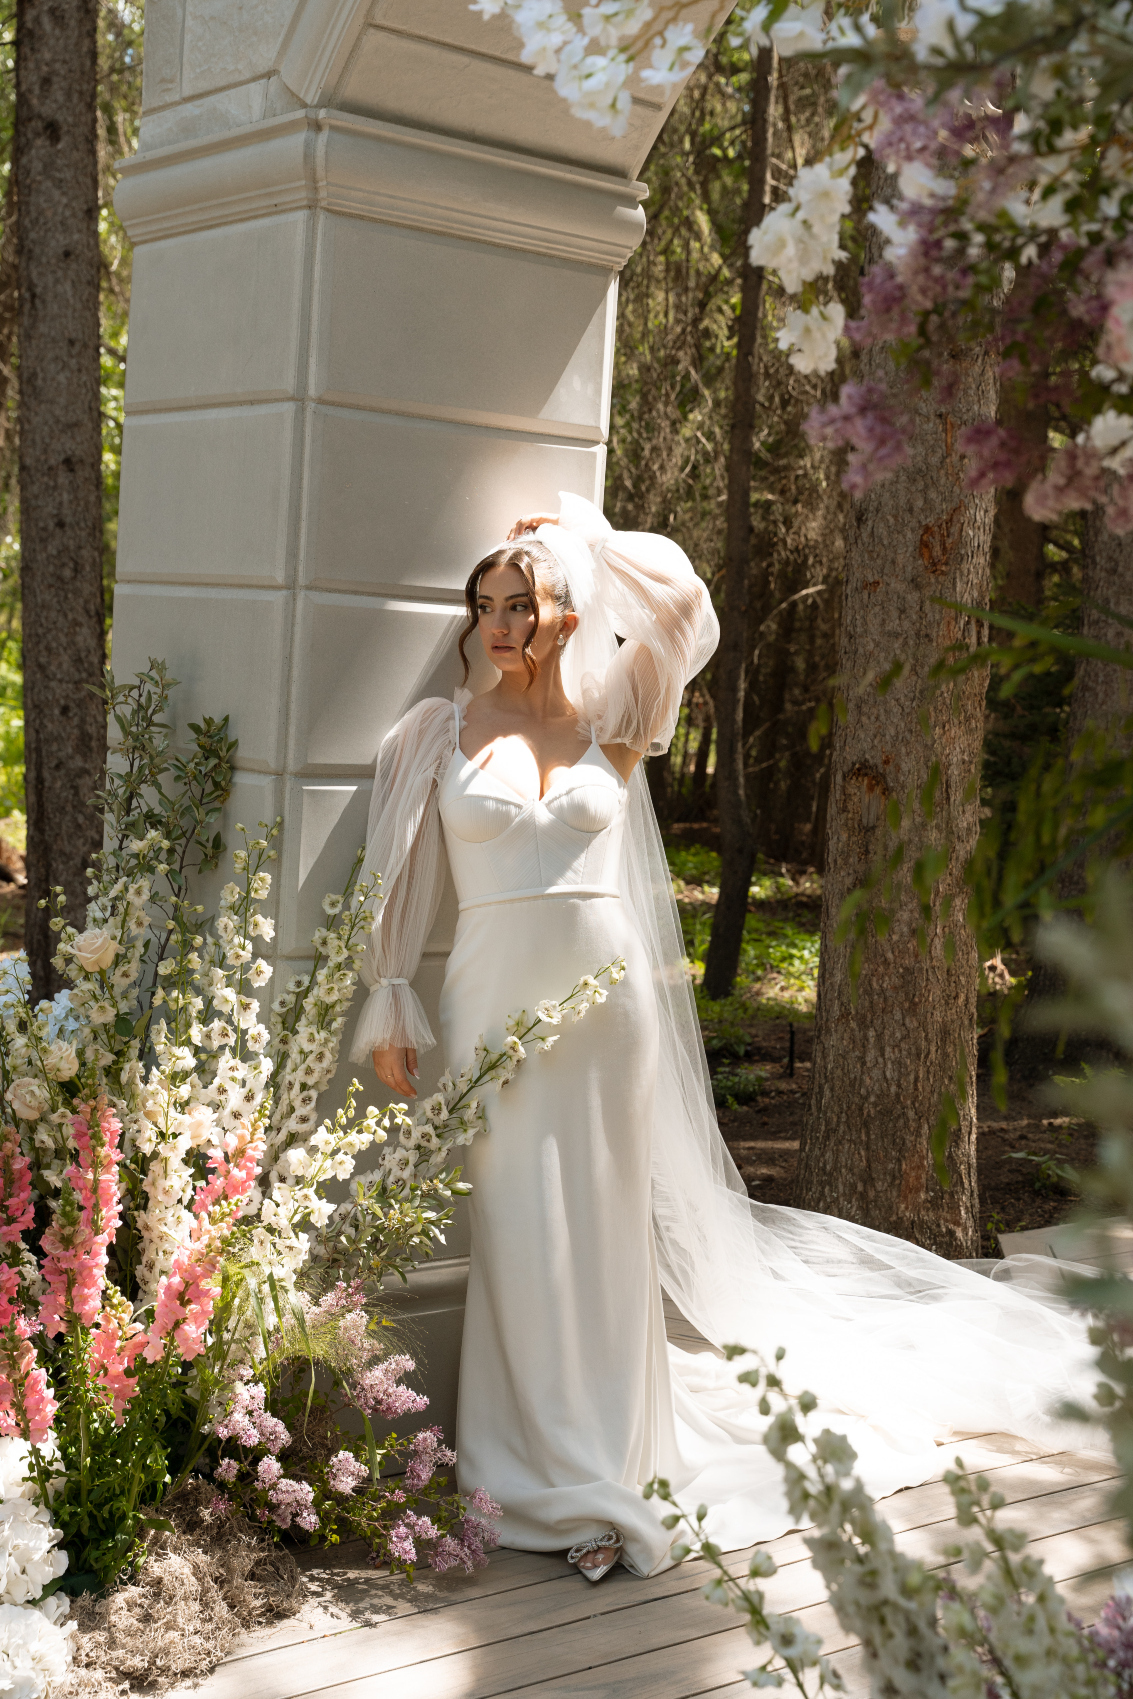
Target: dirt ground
[[763, 1138]]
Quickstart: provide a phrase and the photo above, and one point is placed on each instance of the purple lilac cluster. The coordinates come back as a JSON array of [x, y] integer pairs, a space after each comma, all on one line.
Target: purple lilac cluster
[[345, 1473], [1112, 1636], [468, 1545], [863, 418], [248, 1423], [1059, 303], [376, 1391], [428, 1453], [293, 1501]]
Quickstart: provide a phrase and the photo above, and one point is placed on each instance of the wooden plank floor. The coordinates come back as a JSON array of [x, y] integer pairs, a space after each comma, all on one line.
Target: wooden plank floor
[[530, 1627]]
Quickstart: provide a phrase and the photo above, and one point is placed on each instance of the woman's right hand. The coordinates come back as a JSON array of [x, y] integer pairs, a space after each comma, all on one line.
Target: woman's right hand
[[395, 1068]]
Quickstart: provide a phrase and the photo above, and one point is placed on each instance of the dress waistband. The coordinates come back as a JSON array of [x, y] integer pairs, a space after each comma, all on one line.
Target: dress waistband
[[540, 891]]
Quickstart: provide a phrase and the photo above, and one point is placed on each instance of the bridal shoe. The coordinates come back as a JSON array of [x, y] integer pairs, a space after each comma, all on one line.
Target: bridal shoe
[[611, 1542]]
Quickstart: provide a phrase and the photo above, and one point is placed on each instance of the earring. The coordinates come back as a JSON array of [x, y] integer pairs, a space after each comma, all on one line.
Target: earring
[[561, 641]]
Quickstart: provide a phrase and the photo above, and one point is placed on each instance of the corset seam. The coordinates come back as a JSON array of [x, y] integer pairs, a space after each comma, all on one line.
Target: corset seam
[[538, 891]]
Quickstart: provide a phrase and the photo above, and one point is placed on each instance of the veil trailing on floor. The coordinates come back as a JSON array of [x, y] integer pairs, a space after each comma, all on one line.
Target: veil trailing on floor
[[877, 1328]]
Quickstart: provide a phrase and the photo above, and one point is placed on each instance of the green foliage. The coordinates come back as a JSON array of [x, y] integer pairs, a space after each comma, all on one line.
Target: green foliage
[[732, 1087], [11, 730]]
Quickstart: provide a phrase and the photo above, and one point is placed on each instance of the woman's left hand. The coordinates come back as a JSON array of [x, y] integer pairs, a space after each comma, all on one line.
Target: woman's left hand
[[531, 522]]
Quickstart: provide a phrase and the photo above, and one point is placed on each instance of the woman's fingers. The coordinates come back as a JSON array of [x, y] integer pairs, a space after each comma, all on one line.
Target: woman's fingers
[[531, 522], [395, 1068]]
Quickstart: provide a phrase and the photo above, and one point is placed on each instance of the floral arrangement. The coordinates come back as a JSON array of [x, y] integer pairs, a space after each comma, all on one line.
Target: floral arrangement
[[170, 1258], [993, 1625], [1004, 210]]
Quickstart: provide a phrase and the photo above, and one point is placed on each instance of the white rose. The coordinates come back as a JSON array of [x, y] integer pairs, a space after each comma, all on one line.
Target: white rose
[[95, 950], [61, 1061], [29, 1098]]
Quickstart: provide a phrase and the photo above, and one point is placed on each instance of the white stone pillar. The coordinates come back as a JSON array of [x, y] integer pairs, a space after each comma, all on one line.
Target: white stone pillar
[[374, 289]]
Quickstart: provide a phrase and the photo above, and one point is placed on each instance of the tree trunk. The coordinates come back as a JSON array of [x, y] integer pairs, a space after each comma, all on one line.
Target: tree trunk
[[1017, 541], [1103, 696], [737, 842], [698, 802], [880, 1067], [60, 453]]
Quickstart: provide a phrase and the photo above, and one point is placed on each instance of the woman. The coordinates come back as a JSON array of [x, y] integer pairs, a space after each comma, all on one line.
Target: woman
[[603, 1176]]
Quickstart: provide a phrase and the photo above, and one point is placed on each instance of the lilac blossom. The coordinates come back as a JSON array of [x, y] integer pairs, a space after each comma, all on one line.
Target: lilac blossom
[[227, 1470], [1075, 478], [248, 1423], [996, 455], [293, 1500], [376, 1389], [863, 418], [269, 1472], [429, 1453], [345, 1472], [400, 1542], [1112, 1636], [220, 1506]]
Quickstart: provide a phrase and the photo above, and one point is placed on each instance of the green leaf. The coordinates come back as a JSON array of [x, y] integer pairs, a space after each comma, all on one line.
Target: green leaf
[[160, 1522], [124, 1026]]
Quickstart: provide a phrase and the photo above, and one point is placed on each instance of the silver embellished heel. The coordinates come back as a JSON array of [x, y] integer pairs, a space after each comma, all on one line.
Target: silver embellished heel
[[611, 1542]]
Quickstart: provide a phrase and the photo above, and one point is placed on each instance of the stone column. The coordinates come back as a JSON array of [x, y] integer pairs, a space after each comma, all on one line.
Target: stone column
[[374, 289]]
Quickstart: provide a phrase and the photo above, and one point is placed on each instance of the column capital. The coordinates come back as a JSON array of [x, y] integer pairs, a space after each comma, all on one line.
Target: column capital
[[386, 173]]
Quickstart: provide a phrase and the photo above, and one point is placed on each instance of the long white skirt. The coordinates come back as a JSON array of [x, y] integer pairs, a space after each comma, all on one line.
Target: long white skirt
[[570, 1398]]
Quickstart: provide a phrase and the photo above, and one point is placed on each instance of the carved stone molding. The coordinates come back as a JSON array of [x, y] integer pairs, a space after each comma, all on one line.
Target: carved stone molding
[[386, 173]]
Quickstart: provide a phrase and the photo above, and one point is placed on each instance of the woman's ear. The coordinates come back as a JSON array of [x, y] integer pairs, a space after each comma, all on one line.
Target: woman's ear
[[569, 625]]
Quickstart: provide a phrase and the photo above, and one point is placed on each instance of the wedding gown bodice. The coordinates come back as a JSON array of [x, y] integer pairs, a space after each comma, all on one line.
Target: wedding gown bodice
[[502, 846]]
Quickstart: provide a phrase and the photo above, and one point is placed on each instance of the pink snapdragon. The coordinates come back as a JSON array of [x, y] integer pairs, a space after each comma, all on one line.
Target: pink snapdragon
[[86, 1219], [27, 1408], [376, 1389], [17, 1212], [234, 1171], [112, 1357], [186, 1298]]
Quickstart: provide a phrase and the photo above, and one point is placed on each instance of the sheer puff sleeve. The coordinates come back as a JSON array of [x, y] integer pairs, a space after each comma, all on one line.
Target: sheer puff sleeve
[[403, 846], [662, 612]]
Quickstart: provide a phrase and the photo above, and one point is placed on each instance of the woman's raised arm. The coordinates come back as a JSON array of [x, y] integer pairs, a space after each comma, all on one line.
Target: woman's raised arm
[[663, 613]]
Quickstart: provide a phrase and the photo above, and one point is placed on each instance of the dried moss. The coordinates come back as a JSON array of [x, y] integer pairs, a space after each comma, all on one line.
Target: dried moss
[[198, 1589]]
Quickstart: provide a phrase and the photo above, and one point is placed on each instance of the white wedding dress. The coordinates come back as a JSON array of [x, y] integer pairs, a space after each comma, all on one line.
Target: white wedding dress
[[603, 1175]]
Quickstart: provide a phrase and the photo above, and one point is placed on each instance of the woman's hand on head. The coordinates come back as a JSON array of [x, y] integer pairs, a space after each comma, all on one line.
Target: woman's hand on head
[[396, 1068], [531, 522]]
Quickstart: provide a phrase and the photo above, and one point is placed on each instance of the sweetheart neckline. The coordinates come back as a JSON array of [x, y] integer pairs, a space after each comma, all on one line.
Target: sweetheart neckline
[[530, 801]]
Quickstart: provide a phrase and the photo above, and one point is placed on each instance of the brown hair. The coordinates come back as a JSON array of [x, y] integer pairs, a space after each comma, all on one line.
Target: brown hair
[[539, 567]]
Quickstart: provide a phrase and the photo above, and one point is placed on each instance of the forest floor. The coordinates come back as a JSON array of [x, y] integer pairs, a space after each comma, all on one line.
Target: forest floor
[[761, 1096]]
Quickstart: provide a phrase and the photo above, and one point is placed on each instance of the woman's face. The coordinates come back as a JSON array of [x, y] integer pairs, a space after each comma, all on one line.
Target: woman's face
[[507, 619]]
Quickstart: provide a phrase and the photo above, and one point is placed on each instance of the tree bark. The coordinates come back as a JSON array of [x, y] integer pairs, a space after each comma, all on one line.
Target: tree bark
[[880, 1067], [1017, 541], [1103, 696], [60, 453], [737, 841]]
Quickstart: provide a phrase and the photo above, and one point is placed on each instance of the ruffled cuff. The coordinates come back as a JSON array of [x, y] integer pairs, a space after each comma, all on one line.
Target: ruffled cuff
[[392, 1017]]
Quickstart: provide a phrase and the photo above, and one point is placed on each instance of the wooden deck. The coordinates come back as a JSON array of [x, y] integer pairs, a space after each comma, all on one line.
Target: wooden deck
[[530, 1627]]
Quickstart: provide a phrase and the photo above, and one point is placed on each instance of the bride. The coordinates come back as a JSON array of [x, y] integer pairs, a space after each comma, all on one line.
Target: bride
[[604, 1178]]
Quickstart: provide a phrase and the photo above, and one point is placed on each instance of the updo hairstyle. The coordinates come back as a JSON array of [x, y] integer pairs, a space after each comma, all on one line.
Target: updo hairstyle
[[543, 574]]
